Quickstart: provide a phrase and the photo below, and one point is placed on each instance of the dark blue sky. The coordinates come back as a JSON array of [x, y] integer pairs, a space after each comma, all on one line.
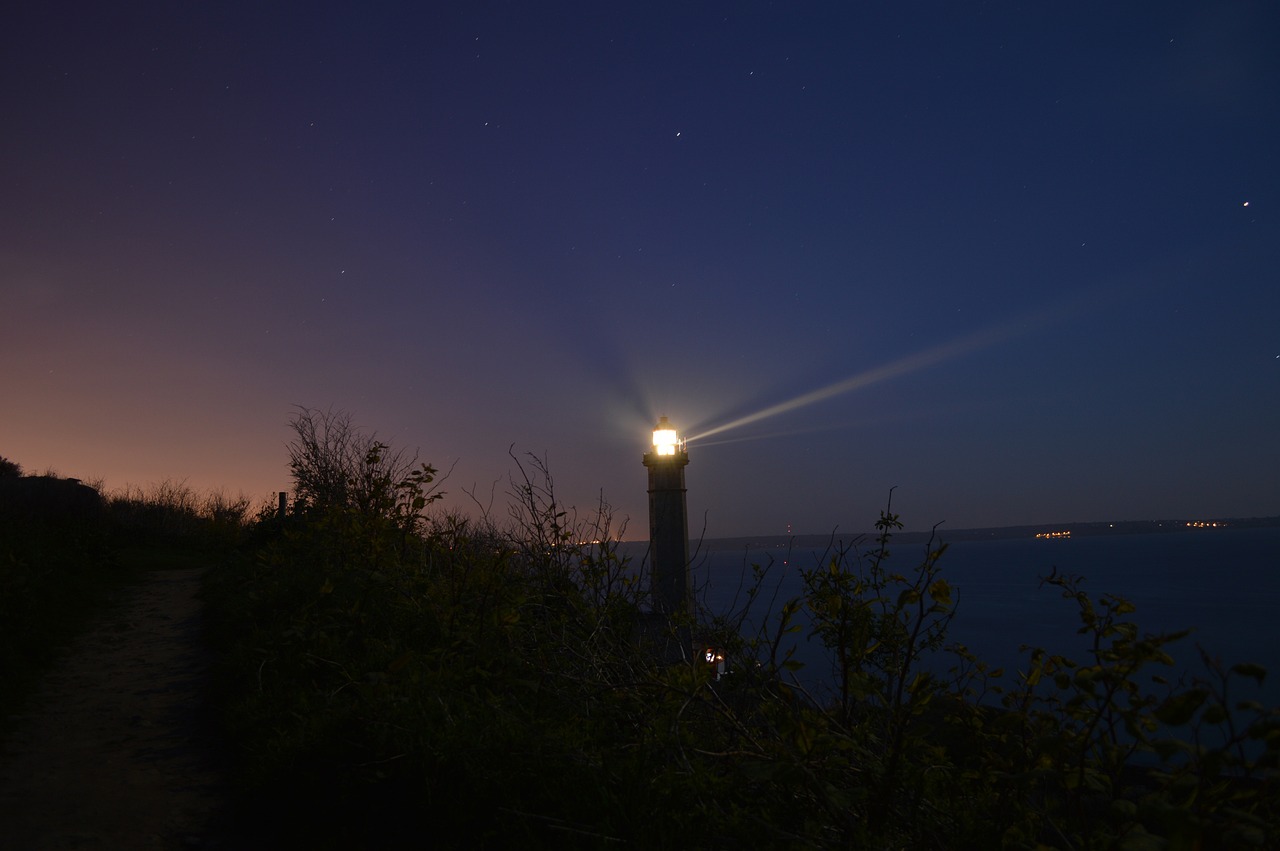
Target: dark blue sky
[[1018, 260]]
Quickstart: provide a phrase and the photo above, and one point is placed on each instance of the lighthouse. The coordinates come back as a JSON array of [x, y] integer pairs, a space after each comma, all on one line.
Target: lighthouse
[[670, 588]]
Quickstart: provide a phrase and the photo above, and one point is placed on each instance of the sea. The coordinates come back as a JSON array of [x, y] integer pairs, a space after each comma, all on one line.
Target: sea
[[1221, 583]]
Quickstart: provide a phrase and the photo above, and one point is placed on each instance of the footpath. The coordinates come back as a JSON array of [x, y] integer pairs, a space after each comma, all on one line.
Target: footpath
[[117, 749]]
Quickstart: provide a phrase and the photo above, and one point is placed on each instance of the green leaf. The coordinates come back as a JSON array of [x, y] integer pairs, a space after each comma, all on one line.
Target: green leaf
[[1166, 749], [1215, 714], [1181, 708], [1246, 669], [1124, 607], [1124, 808]]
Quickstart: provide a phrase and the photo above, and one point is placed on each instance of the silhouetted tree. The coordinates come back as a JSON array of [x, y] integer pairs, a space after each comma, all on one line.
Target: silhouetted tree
[[9, 468]]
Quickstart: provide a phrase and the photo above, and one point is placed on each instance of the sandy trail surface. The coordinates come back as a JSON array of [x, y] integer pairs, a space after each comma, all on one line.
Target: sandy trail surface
[[116, 750]]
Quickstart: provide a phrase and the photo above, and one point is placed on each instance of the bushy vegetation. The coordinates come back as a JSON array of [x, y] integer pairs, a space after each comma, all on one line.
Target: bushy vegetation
[[9, 469], [172, 519], [66, 550], [391, 675]]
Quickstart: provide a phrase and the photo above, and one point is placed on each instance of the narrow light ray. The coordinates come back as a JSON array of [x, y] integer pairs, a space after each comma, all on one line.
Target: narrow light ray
[[792, 432], [897, 368]]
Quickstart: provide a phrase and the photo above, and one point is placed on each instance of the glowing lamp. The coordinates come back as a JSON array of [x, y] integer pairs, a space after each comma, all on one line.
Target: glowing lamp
[[665, 440]]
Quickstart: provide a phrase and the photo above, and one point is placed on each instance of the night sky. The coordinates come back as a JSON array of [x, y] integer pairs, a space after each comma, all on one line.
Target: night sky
[[1021, 261]]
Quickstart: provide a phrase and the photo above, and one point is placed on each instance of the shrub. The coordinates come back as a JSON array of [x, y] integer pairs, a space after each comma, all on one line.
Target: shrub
[[446, 678]]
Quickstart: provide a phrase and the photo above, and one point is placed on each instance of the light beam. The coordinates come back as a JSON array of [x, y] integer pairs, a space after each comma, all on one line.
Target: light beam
[[909, 364]]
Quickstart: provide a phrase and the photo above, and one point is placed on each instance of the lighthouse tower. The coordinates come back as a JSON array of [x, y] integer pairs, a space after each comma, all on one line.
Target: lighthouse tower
[[670, 588]]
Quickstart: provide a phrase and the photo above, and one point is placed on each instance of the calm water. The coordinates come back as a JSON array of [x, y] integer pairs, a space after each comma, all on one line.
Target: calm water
[[1224, 584]]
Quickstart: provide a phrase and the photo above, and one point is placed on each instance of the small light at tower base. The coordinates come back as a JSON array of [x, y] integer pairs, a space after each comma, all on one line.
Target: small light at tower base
[[714, 657]]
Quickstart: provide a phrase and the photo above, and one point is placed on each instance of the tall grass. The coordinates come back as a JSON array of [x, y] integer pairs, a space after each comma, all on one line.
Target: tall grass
[[173, 514]]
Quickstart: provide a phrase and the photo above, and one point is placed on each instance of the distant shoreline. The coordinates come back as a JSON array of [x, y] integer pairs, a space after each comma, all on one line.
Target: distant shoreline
[[1072, 530]]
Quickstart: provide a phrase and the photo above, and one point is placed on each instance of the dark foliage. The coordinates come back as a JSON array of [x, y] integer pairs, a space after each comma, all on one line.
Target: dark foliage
[[441, 679], [49, 501]]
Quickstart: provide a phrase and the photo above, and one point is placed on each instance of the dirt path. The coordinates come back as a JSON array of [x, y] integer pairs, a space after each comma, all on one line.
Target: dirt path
[[116, 750]]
